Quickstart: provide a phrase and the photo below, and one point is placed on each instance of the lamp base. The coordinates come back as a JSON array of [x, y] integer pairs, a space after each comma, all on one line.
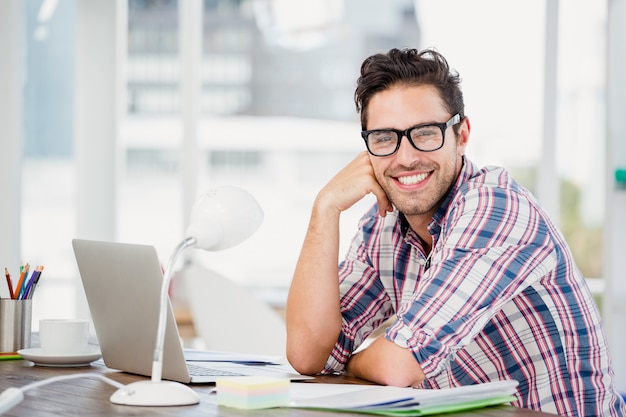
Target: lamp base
[[155, 394]]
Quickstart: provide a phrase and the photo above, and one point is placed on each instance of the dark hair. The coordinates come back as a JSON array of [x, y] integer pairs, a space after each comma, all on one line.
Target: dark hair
[[412, 68]]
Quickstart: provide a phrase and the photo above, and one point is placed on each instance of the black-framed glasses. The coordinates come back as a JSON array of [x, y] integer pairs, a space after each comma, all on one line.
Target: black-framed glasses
[[426, 138]]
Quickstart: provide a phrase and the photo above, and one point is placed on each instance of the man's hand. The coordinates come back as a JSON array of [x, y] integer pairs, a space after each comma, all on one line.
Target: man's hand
[[352, 184], [386, 363]]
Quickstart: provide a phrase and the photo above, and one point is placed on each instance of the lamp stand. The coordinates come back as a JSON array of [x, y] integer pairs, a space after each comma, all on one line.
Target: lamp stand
[[220, 219], [157, 392]]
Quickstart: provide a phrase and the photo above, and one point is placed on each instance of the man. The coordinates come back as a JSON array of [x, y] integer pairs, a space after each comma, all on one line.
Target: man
[[475, 281]]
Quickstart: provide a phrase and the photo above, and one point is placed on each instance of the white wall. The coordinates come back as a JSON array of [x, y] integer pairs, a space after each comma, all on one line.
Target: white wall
[[12, 70], [615, 230]]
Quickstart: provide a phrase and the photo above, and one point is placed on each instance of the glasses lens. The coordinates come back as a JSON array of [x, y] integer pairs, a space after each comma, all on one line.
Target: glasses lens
[[427, 138], [382, 142]]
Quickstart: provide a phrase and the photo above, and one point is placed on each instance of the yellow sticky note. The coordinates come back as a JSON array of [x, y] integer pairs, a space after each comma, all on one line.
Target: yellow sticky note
[[252, 392]]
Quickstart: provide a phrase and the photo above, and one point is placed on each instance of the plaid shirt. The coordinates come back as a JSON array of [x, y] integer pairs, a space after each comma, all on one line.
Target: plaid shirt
[[499, 297]]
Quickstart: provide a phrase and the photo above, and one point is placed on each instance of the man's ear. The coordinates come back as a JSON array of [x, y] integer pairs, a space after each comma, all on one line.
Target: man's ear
[[463, 135]]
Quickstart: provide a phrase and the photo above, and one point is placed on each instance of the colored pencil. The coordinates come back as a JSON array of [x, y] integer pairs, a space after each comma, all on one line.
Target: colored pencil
[[20, 282], [28, 285], [9, 283], [23, 281], [33, 283]]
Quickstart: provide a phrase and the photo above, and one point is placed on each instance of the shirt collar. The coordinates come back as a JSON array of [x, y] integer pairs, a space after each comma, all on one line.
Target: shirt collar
[[467, 171]]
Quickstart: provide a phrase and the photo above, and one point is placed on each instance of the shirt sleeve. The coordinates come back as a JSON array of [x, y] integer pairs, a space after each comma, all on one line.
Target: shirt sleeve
[[493, 246]]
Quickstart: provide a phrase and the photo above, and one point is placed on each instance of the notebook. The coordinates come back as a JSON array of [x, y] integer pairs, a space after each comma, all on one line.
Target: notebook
[[122, 283]]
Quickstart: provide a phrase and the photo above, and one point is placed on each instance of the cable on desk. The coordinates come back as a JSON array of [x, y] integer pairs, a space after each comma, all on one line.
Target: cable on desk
[[12, 396]]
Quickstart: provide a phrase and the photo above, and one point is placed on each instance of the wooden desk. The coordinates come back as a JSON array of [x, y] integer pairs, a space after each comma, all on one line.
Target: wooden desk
[[90, 397]]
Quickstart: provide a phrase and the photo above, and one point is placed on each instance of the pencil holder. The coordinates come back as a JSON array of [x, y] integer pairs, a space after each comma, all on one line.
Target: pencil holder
[[15, 324]]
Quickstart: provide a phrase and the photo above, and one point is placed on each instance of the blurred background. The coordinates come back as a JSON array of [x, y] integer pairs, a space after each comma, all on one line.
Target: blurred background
[[119, 113]]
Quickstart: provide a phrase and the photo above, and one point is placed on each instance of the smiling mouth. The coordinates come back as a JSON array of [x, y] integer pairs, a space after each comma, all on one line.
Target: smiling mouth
[[412, 179]]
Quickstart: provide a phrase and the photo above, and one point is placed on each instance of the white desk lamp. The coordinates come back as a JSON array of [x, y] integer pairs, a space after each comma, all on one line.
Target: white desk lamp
[[220, 219]]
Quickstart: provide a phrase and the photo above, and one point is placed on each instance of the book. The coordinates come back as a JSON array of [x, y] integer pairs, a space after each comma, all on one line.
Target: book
[[395, 401], [8, 356]]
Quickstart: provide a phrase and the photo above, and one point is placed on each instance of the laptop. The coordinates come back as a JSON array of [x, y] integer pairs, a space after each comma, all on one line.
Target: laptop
[[122, 283]]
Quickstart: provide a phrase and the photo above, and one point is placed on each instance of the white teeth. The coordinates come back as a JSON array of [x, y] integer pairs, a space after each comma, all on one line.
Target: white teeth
[[412, 179]]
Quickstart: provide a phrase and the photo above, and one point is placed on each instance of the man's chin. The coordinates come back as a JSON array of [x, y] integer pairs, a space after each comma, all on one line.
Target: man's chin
[[411, 207]]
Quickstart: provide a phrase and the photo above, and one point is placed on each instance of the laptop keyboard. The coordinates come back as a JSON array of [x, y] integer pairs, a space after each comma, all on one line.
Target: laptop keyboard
[[196, 370]]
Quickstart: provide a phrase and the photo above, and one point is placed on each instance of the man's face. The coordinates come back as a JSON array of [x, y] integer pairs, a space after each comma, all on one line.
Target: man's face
[[415, 181]]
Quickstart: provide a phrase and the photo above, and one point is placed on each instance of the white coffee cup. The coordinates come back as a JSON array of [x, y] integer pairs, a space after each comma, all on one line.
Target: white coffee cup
[[64, 336]]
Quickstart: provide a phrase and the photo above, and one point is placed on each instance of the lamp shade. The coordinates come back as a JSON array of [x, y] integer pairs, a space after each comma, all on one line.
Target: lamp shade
[[224, 217]]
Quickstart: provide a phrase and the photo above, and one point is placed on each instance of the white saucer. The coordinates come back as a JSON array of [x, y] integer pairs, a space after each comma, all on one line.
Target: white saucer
[[41, 358]]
